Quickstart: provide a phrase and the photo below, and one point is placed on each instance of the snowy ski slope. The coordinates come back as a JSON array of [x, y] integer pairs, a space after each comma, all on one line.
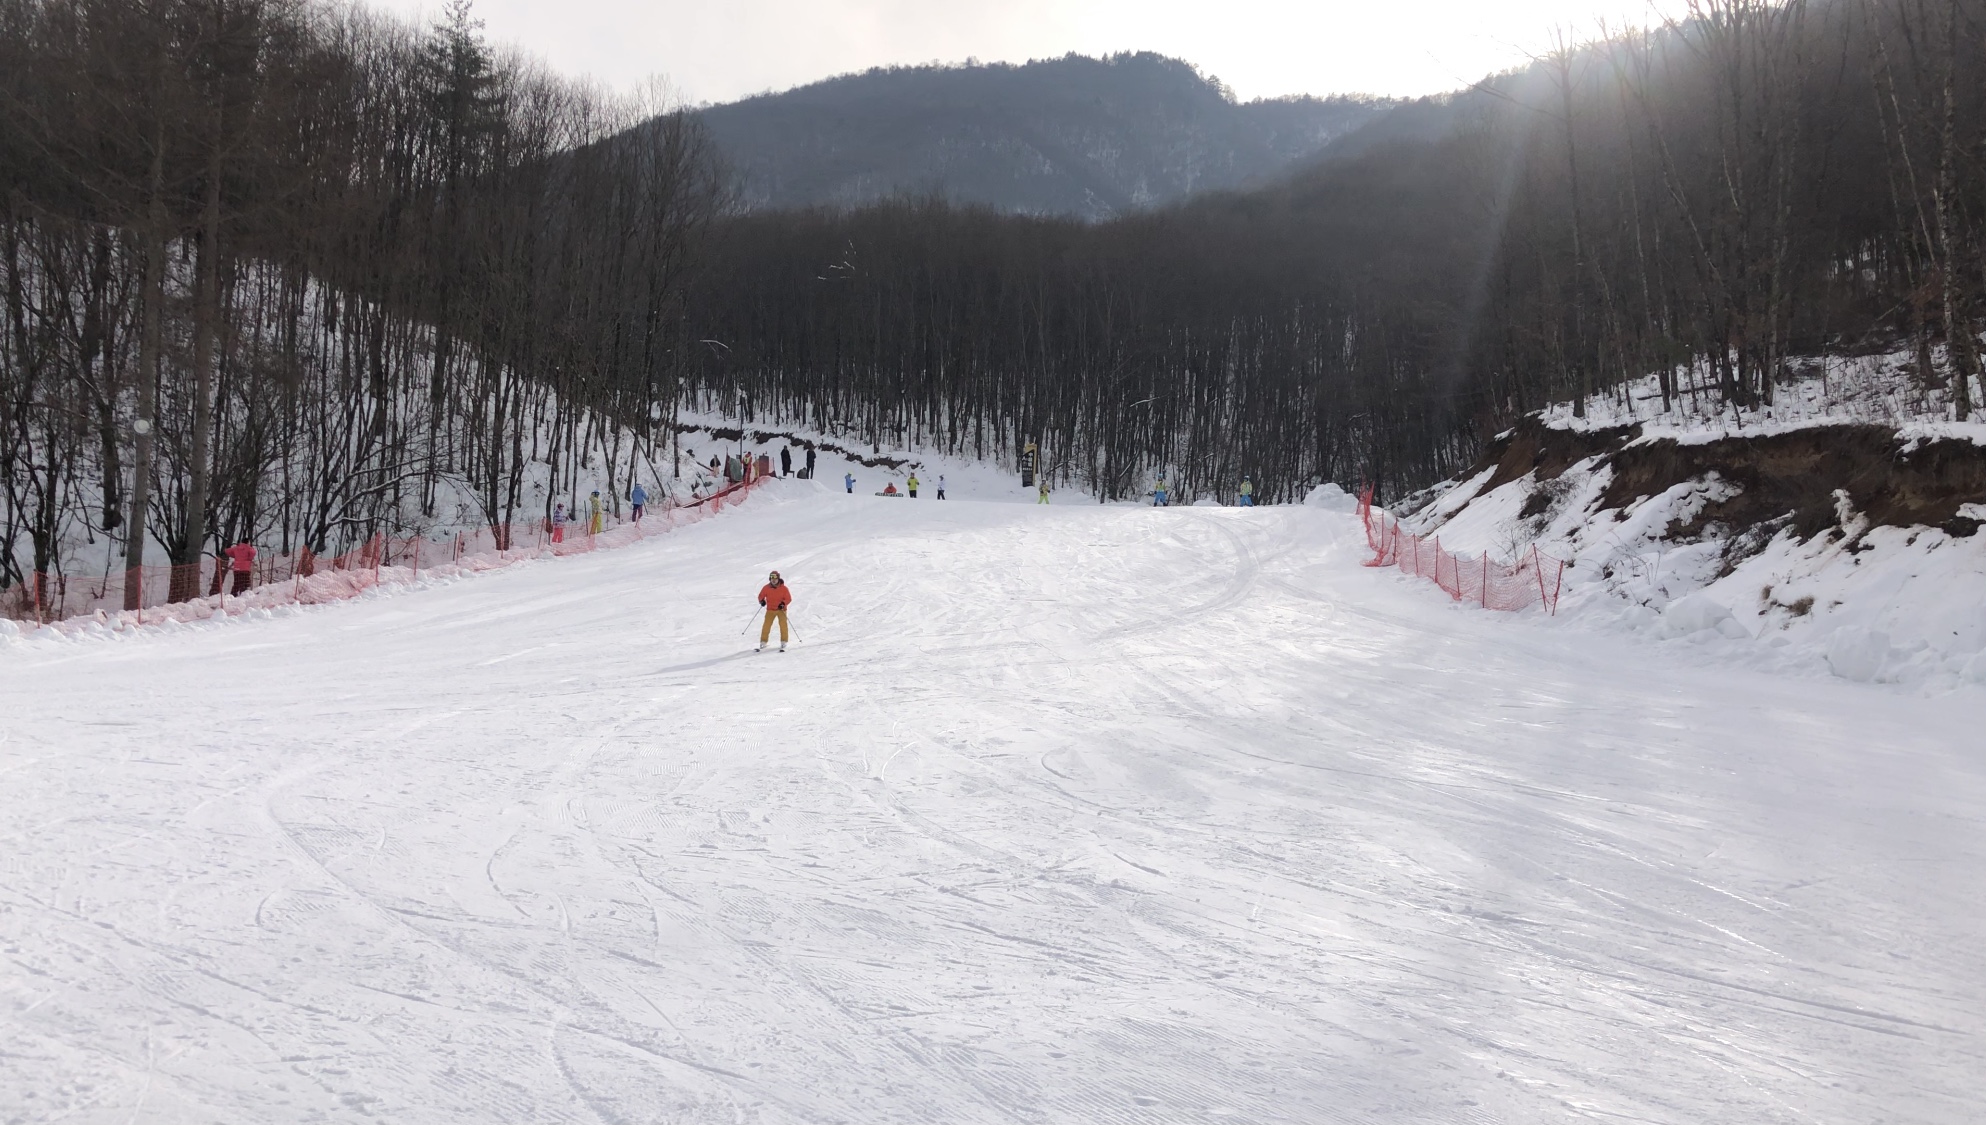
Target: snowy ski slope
[[1075, 814]]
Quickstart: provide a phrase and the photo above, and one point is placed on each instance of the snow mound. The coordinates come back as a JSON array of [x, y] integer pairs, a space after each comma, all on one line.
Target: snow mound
[[1700, 613], [1858, 654], [1331, 498]]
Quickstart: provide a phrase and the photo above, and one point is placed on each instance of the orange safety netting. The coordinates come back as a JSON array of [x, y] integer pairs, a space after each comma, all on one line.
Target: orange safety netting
[[194, 591], [1534, 579]]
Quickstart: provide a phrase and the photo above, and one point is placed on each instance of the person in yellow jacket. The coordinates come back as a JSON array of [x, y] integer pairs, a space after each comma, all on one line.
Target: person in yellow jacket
[[596, 515], [912, 485]]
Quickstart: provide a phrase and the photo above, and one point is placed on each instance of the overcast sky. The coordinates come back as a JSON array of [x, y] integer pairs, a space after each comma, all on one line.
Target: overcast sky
[[721, 50]]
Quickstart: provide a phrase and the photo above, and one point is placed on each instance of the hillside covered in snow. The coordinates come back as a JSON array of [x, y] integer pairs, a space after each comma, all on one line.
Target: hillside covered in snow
[[1835, 529]]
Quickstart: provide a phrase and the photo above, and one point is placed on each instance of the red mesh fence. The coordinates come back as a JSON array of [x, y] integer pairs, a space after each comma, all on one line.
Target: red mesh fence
[[194, 591], [1534, 579]]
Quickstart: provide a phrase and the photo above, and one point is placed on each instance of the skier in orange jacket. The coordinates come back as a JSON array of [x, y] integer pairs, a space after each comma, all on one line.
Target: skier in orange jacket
[[775, 596]]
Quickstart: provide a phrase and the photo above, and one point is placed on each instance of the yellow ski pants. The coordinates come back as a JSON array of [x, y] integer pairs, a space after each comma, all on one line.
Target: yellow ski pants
[[765, 631]]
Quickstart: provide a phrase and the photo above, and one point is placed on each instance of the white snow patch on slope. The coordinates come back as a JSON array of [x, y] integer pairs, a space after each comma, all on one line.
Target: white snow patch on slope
[[1070, 814], [1879, 390], [1921, 589]]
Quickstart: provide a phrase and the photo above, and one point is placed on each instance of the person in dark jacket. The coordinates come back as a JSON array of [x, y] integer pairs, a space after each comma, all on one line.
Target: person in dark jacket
[[786, 461]]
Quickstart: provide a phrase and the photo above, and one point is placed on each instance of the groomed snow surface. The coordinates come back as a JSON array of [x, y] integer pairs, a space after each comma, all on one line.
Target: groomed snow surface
[[1064, 814]]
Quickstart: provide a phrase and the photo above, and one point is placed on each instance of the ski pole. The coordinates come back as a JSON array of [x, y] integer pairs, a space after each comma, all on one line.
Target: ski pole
[[748, 623], [795, 628]]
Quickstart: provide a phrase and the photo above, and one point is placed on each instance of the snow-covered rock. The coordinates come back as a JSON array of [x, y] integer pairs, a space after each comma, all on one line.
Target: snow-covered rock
[[1858, 654], [1700, 613], [1331, 498]]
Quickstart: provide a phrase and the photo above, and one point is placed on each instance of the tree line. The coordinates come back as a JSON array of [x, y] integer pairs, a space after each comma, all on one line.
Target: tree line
[[296, 273], [282, 270], [1716, 202]]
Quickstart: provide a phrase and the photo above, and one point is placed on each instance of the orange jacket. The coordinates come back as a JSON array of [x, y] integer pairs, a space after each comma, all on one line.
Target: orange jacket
[[776, 597]]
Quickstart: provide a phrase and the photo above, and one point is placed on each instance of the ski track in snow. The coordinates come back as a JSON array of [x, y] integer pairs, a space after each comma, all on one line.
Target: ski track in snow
[[1066, 814]]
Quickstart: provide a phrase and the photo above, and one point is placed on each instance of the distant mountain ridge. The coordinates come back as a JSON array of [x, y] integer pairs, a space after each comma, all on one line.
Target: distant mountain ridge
[[1079, 136]]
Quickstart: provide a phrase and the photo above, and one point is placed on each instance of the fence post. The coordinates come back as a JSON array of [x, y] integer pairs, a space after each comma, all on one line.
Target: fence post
[[1485, 579], [417, 558]]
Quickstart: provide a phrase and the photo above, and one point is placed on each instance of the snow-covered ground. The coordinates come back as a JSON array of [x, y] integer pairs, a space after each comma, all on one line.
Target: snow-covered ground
[[1069, 814], [1899, 605], [1884, 389]]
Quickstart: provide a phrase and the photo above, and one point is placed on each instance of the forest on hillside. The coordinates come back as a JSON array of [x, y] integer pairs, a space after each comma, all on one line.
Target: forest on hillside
[[1719, 201], [289, 271], [283, 270], [1090, 138]]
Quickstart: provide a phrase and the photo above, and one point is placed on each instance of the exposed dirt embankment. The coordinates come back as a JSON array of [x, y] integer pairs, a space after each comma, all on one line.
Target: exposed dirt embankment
[[1790, 477]]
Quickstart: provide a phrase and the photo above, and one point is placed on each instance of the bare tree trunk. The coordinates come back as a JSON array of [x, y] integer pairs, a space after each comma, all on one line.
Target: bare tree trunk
[[148, 377], [1959, 341], [206, 322]]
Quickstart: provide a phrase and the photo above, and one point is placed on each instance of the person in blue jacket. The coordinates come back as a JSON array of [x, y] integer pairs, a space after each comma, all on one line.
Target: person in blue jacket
[[639, 497], [849, 480]]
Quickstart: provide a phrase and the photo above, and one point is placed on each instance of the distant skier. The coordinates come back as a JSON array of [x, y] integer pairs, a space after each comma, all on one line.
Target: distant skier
[[596, 515], [786, 461], [848, 479], [889, 490], [1158, 493], [242, 558], [775, 596], [1041, 492], [558, 522], [639, 499], [1247, 493], [912, 485], [810, 462], [941, 486]]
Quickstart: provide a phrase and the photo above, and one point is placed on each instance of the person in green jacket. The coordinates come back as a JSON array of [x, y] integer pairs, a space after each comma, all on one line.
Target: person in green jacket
[[912, 485], [1247, 493]]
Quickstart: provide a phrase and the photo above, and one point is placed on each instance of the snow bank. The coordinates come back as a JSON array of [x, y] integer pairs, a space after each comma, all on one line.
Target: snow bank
[[1898, 605]]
